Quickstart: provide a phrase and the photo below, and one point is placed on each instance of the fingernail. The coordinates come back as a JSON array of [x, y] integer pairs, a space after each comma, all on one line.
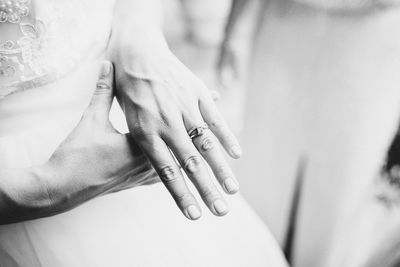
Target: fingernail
[[231, 186], [236, 151], [220, 207], [105, 69], [193, 212]]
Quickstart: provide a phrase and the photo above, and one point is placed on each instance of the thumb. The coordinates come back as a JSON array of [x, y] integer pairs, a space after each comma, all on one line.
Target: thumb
[[102, 98]]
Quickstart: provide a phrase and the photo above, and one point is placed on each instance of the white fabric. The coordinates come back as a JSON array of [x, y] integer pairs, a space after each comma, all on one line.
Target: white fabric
[[138, 227], [49, 40], [327, 89]]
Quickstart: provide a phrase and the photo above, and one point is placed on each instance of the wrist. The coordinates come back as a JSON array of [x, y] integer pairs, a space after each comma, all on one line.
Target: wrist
[[41, 197], [24, 195], [136, 40], [65, 187]]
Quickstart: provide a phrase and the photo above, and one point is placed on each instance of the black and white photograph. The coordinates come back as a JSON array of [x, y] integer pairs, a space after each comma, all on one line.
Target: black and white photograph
[[199, 133]]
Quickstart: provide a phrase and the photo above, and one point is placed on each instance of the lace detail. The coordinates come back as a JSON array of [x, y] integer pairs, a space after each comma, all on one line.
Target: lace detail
[[24, 58], [43, 40], [13, 11]]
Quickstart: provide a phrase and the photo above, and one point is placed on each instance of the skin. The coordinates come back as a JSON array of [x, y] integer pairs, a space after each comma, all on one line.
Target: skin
[[162, 101], [92, 161]]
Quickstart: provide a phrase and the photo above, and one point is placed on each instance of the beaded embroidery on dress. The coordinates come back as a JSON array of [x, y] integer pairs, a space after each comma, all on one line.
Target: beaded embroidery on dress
[[13, 11]]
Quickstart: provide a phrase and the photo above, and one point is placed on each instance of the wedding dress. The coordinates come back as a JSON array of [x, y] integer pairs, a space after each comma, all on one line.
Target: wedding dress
[[50, 52]]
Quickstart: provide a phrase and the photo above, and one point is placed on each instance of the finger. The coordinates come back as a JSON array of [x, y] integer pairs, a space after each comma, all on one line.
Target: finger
[[171, 175], [209, 148], [148, 177], [102, 98], [219, 127], [196, 169]]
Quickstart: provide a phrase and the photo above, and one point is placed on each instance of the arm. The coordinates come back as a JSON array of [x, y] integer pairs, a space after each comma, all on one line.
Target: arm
[[92, 161], [138, 24], [139, 13], [24, 195]]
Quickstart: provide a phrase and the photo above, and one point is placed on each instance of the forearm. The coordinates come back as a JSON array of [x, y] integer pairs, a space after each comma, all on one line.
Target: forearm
[[24, 195], [139, 22], [42, 191]]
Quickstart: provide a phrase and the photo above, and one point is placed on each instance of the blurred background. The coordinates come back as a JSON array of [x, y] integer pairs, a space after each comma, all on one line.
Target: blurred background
[[312, 89]]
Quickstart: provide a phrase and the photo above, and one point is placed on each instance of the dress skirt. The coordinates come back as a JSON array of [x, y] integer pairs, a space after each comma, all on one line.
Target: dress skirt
[[138, 227]]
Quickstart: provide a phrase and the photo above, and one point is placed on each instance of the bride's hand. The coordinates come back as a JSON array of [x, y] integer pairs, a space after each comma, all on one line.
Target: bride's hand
[[95, 159], [163, 100]]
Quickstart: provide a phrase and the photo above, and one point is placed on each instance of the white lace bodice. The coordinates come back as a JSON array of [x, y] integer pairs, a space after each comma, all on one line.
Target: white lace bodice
[[42, 40]]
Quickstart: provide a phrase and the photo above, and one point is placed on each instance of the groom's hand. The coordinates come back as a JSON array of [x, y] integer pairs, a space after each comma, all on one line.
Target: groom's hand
[[95, 159]]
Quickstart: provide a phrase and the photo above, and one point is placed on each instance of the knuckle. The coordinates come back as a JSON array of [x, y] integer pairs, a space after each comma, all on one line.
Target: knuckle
[[207, 144], [209, 194], [217, 123], [141, 133], [192, 164], [183, 197], [168, 174], [223, 172]]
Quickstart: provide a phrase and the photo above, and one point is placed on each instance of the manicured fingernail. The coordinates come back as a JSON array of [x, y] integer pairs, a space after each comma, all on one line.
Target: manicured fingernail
[[105, 69], [220, 207], [231, 186], [193, 212], [236, 151]]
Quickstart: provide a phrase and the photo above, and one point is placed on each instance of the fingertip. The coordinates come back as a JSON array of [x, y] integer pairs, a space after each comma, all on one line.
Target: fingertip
[[235, 152], [230, 186], [220, 208], [193, 212]]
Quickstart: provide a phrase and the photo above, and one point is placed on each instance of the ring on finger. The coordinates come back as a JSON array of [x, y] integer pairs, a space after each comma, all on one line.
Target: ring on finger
[[198, 131]]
